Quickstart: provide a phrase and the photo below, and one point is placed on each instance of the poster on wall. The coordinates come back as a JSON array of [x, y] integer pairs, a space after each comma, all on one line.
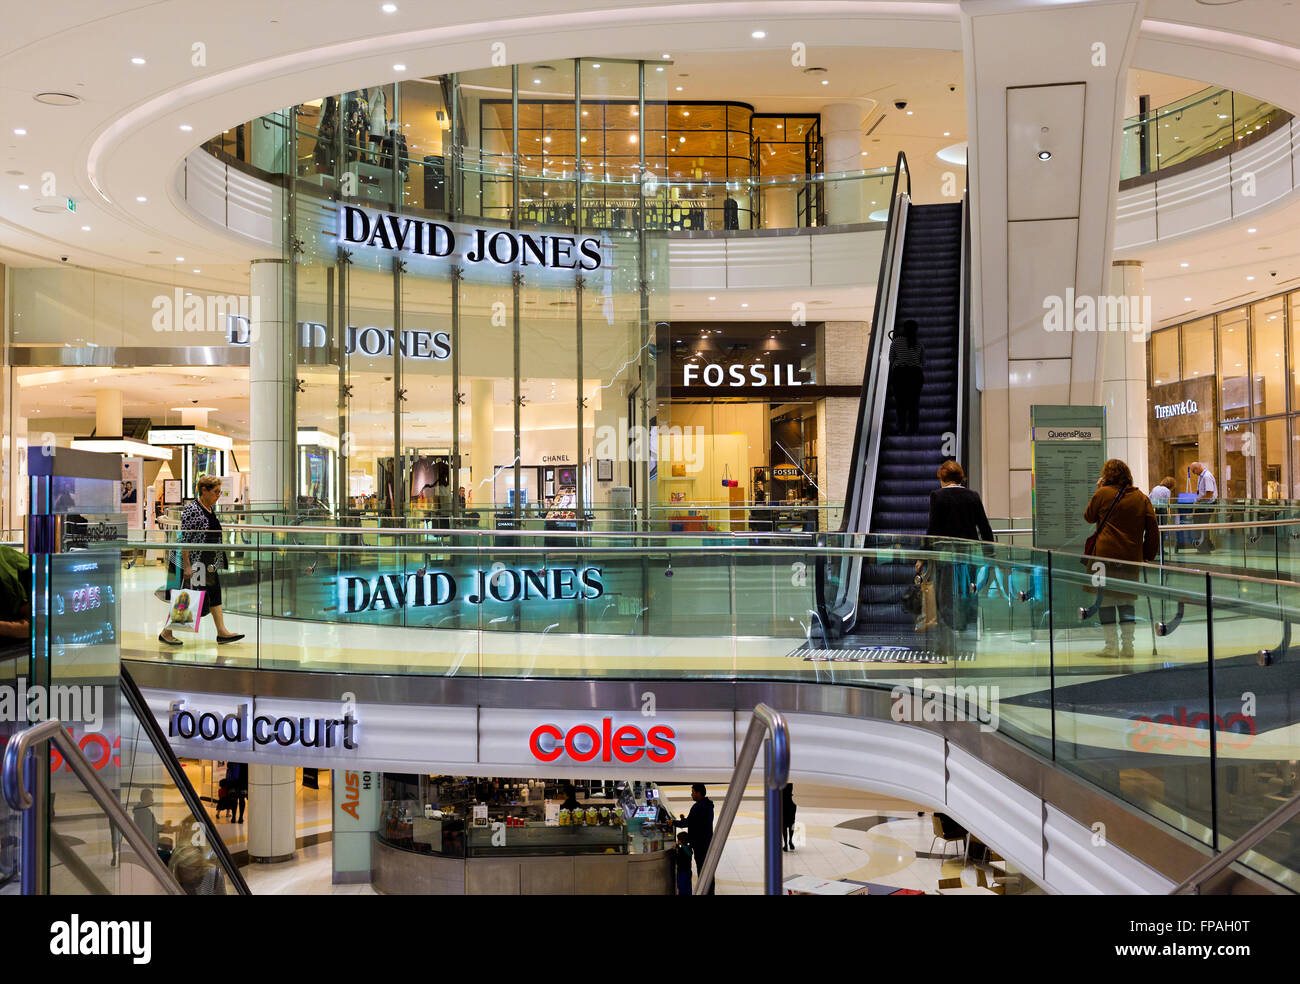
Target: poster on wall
[[132, 494], [172, 492]]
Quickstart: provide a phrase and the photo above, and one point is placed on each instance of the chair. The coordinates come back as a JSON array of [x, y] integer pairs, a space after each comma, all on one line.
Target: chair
[[945, 830]]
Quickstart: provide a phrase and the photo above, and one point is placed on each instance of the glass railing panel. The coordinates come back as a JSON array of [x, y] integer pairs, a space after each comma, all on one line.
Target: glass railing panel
[[1129, 723], [1254, 719], [157, 806]]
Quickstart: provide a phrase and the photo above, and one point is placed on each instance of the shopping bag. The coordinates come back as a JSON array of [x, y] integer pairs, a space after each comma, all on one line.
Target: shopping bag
[[185, 611], [928, 619]]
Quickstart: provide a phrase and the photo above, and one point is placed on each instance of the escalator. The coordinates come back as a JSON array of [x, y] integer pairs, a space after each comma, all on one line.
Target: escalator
[[123, 820], [923, 277]]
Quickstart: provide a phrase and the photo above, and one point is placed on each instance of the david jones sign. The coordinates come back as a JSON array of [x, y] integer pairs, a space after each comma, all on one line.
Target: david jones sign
[[429, 588], [499, 247]]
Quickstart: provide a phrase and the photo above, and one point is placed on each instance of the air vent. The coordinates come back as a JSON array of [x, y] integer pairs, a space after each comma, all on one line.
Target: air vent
[[57, 98], [879, 119], [1237, 297], [815, 70]]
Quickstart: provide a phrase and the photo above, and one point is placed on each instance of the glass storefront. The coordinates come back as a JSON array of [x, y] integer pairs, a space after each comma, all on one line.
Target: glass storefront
[[1223, 389]]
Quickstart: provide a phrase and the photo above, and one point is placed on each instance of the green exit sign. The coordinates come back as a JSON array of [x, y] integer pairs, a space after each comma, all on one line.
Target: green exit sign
[[72, 204]]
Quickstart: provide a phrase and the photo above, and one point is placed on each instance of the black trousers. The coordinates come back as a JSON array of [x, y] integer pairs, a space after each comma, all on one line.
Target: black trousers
[[701, 851], [907, 398]]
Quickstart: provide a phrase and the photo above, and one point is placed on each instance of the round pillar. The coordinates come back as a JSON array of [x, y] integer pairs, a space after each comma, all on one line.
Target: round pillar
[[272, 813], [842, 147], [482, 411], [1124, 369], [271, 446]]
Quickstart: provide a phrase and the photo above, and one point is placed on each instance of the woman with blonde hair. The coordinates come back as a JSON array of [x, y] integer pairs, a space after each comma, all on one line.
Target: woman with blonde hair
[[1127, 530], [200, 568]]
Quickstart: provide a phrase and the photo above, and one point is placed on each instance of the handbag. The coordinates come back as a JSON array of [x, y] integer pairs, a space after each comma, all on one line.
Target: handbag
[[186, 610], [1090, 544]]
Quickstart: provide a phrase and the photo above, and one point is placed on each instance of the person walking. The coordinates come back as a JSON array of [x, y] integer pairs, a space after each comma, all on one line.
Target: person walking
[[200, 568], [1207, 490], [907, 375], [956, 513], [699, 828], [1127, 531], [788, 808]]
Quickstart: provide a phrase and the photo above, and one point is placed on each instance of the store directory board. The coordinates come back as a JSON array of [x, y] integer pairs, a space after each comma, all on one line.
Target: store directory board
[[1068, 448]]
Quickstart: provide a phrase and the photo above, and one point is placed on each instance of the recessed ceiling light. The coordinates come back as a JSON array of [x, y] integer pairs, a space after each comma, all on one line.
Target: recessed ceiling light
[[826, 81], [1184, 264], [399, 67], [180, 259], [1186, 299], [1044, 155], [744, 305], [666, 55], [141, 198], [389, 8], [1251, 231], [137, 60], [595, 64], [758, 34], [659, 68], [85, 228], [19, 132], [186, 127], [197, 270], [1250, 278], [679, 88], [946, 133], [23, 187], [909, 112], [537, 81], [712, 298]]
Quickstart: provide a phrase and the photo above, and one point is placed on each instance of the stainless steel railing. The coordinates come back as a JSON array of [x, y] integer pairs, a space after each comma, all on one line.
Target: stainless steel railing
[[1220, 863], [18, 773], [766, 728]]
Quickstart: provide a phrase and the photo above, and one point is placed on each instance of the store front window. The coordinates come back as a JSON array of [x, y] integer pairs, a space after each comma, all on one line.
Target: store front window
[[1224, 390]]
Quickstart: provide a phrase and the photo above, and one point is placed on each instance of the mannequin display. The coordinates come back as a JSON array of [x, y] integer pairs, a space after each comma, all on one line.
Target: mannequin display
[[377, 101], [356, 121], [326, 135]]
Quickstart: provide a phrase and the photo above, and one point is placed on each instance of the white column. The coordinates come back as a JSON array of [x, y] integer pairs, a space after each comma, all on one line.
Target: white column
[[194, 418], [108, 413], [1045, 90], [271, 447], [1124, 372], [482, 413], [272, 813], [842, 148]]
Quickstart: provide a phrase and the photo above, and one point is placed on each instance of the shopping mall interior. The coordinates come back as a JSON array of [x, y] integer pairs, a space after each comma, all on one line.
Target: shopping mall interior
[[452, 444]]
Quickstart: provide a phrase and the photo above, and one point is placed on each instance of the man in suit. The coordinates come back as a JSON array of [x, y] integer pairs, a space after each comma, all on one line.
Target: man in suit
[[955, 513]]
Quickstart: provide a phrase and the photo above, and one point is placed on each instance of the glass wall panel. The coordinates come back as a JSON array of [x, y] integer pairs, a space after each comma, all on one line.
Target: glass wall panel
[[1268, 372], [424, 142], [485, 138], [1234, 400], [1274, 469], [1198, 349], [486, 343], [1164, 357]]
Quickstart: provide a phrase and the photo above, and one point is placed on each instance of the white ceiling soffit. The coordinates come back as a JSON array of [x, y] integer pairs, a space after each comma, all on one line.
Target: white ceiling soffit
[[1044, 119]]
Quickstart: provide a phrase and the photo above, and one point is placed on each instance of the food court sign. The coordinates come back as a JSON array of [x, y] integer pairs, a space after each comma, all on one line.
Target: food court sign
[[426, 589]]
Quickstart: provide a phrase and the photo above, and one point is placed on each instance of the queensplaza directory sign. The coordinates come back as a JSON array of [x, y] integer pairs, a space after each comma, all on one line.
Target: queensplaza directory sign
[[1067, 449]]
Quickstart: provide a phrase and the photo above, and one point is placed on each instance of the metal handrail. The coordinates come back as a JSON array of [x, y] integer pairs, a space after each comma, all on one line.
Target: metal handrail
[[776, 772], [1192, 884], [14, 781]]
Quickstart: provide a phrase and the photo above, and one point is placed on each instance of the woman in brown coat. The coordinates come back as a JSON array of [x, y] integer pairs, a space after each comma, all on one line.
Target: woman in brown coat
[[1126, 530]]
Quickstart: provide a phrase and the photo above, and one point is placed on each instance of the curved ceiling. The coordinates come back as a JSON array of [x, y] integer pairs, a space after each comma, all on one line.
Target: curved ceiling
[[200, 68]]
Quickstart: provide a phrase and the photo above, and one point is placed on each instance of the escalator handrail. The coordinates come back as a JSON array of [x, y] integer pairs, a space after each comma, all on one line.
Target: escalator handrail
[[1220, 862], [13, 779], [964, 365], [140, 707], [868, 374]]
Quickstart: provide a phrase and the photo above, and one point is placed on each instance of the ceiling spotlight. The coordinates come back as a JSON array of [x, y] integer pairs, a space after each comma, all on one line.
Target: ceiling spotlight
[[537, 81], [19, 132], [659, 68], [759, 35], [399, 67], [389, 8], [1185, 299], [666, 55], [1044, 155], [180, 259], [141, 199], [1250, 278], [137, 61], [23, 187], [1184, 264], [946, 133], [1251, 231], [909, 112], [185, 127], [712, 298], [679, 88], [197, 270], [595, 64], [85, 228]]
